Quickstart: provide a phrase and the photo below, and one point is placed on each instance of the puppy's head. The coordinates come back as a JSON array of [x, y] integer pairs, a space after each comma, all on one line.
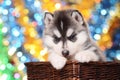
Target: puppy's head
[[65, 31]]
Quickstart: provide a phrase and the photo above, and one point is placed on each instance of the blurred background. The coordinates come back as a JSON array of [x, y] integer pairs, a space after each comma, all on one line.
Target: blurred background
[[21, 27]]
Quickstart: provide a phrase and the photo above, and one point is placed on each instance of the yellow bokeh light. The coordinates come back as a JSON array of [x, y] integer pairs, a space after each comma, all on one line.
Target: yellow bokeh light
[[45, 1], [32, 32], [26, 46], [57, 5], [41, 58], [26, 11], [106, 38], [32, 51], [6, 42], [25, 19], [105, 30]]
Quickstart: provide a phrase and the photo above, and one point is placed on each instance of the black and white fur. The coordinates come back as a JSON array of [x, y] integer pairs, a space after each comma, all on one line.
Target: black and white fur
[[67, 37]]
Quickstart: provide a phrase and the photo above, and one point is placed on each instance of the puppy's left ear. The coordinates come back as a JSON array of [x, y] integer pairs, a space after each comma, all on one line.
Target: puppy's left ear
[[77, 16], [48, 18]]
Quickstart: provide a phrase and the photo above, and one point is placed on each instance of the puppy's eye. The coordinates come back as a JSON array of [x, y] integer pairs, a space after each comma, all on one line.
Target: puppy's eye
[[56, 39], [73, 37]]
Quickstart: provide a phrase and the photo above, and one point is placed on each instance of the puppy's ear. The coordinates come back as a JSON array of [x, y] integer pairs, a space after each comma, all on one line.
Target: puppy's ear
[[48, 18], [77, 16]]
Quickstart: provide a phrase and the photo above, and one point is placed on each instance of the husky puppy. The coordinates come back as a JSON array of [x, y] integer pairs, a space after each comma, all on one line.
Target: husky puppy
[[67, 37]]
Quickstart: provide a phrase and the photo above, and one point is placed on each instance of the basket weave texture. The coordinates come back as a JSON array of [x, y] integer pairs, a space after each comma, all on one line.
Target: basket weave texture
[[74, 71]]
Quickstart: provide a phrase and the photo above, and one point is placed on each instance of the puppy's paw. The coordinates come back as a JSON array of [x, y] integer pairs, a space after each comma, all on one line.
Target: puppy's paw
[[86, 56], [57, 61]]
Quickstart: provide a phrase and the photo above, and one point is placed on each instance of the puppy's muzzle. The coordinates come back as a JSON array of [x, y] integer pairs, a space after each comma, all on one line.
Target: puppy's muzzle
[[65, 53]]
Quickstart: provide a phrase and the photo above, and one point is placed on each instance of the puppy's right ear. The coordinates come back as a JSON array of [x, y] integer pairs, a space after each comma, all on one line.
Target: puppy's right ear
[[77, 16], [48, 18]]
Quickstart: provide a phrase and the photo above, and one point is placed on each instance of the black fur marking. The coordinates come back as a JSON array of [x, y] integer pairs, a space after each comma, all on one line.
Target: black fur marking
[[62, 16], [56, 39], [73, 37]]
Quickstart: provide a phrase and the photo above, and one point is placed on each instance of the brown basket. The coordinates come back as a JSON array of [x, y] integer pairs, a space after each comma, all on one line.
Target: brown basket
[[74, 71]]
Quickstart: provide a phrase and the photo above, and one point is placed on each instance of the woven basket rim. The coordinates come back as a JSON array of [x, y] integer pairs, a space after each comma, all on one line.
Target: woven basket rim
[[75, 62]]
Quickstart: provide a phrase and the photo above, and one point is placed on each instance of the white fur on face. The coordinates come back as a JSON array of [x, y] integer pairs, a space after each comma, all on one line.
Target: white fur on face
[[48, 41], [69, 32], [57, 48], [74, 47], [82, 37], [57, 33]]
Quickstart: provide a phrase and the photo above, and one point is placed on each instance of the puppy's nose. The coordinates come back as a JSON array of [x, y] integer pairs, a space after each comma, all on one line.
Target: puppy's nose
[[65, 53]]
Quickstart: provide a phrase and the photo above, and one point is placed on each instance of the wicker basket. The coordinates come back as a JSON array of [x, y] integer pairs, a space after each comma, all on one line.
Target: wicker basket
[[74, 71]]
